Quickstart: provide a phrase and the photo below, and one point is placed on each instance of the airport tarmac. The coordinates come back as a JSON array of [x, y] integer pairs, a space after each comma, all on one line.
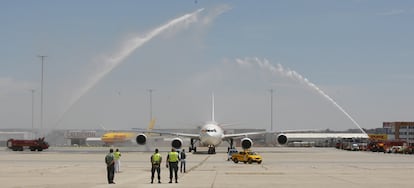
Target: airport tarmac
[[281, 167]]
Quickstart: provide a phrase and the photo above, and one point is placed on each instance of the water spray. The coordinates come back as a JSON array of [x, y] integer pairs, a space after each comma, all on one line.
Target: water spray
[[265, 64], [108, 64]]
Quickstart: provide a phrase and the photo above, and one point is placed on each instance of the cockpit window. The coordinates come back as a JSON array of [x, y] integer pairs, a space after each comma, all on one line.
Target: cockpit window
[[209, 130]]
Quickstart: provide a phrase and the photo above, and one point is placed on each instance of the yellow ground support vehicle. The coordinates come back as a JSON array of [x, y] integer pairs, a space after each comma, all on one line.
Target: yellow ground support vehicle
[[246, 157]]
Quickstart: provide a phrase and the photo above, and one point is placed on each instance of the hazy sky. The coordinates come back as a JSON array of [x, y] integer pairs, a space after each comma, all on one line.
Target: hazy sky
[[104, 56]]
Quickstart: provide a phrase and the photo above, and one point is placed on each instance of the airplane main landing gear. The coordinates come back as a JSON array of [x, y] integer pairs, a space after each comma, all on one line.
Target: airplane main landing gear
[[192, 147]]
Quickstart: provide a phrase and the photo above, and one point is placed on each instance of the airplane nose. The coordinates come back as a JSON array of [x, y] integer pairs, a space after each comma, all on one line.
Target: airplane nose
[[212, 139]]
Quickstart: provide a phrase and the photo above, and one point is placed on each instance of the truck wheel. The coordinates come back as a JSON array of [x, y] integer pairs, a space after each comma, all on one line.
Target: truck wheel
[[39, 149], [250, 161], [235, 160], [258, 162]]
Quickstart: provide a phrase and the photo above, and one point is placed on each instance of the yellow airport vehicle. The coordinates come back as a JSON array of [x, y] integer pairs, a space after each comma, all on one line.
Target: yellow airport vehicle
[[246, 157]]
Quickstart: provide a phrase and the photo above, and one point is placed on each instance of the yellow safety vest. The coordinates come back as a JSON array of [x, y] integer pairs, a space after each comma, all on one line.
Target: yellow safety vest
[[117, 155], [156, 158], [173, 156]]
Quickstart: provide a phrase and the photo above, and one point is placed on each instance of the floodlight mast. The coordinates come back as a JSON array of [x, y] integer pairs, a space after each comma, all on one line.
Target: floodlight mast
[[42, 57], [271, 109]]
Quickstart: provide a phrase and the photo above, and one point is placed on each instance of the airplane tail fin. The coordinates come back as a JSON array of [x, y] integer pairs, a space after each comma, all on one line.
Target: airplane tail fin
[[151, 124], [212, 106]]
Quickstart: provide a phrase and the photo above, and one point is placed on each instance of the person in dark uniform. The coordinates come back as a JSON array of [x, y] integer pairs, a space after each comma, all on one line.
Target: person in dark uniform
[[155, 165], [182, 161], [172, 163], [110, 166]]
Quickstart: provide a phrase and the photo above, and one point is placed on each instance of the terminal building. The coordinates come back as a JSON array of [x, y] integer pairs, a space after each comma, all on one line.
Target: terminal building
[[400, 131], [78, 137]]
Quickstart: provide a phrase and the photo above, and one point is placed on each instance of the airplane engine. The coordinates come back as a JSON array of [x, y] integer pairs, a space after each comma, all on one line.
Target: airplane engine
[[282, 139], [176, 143], [141, 139], [246, 143]]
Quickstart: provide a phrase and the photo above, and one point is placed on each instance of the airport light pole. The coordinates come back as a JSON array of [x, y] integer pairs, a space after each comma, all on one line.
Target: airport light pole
[[42, 57], [33, 91], [150, 101], [271, 110]]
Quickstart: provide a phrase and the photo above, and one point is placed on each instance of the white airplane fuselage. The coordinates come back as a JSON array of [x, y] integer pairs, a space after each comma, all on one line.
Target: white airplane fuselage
[[211, 134]]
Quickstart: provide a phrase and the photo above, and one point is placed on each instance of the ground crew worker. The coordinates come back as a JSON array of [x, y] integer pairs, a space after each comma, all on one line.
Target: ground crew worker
[[172, 163], [117, 156], [155, 165], [110, 166], [182, 160]]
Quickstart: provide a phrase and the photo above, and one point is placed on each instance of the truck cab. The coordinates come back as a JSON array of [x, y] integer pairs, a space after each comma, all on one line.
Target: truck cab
[[230, 153]]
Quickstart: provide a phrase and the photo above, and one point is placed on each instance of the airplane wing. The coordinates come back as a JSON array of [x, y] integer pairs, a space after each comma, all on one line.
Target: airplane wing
[[295, 134], [240, 135], [187, 135], [325, 135]]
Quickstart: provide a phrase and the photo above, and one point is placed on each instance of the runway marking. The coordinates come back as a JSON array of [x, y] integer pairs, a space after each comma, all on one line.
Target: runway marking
[[199, 164], [254, 173], [214, 180], [263, 166]]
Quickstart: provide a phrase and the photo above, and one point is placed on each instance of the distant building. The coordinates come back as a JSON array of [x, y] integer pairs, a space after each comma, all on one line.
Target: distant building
[[400, 131], [79, 137]]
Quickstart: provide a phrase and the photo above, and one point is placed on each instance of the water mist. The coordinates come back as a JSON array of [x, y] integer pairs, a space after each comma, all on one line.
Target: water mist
[[265, 64], [108, 64]]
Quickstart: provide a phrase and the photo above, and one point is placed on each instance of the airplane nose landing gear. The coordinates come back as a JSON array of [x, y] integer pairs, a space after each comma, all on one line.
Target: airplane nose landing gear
[[211, 149]]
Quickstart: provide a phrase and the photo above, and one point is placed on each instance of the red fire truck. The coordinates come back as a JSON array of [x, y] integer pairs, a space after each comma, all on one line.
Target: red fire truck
[[33, 145]]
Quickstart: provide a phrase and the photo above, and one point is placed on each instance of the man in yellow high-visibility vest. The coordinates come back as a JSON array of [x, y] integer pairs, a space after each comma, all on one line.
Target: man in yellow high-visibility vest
[[172, 163], [117, 156], [155, 165]]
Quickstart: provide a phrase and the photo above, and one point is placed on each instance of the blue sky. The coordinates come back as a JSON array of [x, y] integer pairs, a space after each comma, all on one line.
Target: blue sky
[[360, 53]]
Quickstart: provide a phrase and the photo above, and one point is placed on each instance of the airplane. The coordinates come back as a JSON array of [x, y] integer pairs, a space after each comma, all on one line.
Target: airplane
[[111, 138], [212, 134]]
